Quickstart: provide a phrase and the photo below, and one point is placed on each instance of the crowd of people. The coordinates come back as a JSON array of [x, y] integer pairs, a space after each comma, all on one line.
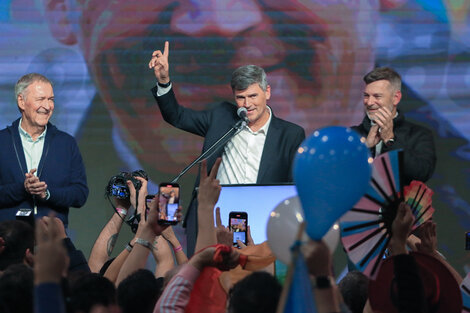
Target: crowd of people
[[44, 272]]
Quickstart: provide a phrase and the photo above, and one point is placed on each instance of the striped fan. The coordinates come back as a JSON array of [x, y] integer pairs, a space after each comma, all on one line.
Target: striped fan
[[366, 228]]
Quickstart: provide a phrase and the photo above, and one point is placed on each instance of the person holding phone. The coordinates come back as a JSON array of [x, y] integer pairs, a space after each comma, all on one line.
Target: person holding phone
[[168, 203], [238, 224]]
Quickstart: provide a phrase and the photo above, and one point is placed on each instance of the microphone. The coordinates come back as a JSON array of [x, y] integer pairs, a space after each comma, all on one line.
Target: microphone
[[241, 112]]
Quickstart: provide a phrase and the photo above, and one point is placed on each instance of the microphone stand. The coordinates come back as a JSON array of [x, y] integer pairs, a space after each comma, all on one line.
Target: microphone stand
[[212, 149]]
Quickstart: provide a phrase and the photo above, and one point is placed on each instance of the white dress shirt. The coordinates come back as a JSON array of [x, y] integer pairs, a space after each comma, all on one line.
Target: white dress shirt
[[242, 155], [32, 149]]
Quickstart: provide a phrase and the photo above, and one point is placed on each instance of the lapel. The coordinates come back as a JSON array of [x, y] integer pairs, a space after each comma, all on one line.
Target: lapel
[[270, 148], [47, 142], [18, 147]]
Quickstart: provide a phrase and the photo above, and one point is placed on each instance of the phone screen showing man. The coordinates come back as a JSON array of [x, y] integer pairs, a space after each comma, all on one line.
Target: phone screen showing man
[[238, 227], [168, 202]]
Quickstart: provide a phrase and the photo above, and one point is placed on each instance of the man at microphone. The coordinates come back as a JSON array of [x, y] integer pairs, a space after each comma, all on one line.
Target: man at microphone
[[262, 152]]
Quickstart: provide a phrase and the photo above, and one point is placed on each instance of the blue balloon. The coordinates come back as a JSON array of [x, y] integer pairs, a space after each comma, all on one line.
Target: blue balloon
[[332, 170]]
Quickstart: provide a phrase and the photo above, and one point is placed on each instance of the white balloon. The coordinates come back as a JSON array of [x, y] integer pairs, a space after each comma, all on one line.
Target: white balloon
[[283, 225]]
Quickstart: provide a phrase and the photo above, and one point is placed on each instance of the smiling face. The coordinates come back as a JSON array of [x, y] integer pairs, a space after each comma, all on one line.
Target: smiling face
[[380, 94], [36, 105], [254, 99]]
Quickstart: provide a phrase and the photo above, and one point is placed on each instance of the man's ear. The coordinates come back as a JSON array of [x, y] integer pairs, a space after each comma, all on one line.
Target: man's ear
[[57, 14], [396, 97], [268, 92], [29, 258], [20, 101]]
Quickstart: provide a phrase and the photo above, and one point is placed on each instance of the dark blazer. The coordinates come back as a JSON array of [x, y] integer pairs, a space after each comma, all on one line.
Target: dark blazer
[[282, 140], [417, 143], [280, 147], [61, 167]]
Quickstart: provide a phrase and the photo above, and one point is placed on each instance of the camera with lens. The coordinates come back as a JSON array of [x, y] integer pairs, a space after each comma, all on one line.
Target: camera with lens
[[117, 185]]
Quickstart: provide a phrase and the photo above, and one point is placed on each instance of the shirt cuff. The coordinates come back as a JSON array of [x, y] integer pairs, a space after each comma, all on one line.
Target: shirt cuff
[[163, 90]]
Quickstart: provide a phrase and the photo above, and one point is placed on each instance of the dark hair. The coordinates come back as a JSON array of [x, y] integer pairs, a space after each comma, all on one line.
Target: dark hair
[[18, 237], [88, 290], [354, 287], [139, 292], [259, 292], [16, 289], [247, 75], [384, 73]]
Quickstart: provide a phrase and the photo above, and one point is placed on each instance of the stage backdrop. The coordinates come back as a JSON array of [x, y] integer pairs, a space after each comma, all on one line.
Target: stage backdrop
[[315, 54]]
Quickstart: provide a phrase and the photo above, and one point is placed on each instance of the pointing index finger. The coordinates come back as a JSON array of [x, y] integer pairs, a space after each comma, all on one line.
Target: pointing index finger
[[218, 220], [166, 50]]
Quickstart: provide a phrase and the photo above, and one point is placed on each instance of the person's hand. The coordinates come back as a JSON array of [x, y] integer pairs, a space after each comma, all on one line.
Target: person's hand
[[384, 119], [205, 258], [224, 234], [412, 242], [209, 186], [428, 238], [401, 229], [51, 259], [249, 239], [151, 223], [382, 130], [123, 203], [170, 236], [160, 65], [373, 137], [33, 186], [318, 258], [141, 203], [56, 224]]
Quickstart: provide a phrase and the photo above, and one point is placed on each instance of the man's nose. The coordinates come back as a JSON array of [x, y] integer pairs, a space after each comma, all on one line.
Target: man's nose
[[216, 17], [48, 104]]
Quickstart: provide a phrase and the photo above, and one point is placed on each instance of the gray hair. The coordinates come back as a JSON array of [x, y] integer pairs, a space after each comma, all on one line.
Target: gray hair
[[247, 75], [26, 80], [384, 73]]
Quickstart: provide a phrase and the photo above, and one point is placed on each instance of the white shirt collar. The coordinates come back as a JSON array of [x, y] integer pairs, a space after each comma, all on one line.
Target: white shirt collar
[[27, 136]]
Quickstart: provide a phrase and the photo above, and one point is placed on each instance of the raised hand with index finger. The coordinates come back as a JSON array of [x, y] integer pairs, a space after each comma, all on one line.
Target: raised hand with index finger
[[160, 65]]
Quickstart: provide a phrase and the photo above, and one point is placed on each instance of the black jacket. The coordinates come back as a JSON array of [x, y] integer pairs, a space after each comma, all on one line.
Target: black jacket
[[417, 143]]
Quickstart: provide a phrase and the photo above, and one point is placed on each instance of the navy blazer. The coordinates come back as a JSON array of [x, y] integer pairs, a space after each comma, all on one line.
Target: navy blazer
[[61, 167]]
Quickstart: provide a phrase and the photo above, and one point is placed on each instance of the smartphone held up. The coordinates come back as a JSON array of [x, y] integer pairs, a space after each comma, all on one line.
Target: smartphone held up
[[238, 222], [168, 203]]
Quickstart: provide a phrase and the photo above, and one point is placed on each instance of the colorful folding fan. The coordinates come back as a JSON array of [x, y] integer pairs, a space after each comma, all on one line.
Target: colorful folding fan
[[366, 228]]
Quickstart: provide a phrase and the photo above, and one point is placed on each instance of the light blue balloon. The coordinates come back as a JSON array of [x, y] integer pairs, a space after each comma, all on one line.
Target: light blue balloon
[[332, 170]]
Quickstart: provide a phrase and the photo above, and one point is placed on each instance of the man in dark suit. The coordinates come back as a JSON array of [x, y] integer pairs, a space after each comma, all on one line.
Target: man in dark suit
[[262, 152]]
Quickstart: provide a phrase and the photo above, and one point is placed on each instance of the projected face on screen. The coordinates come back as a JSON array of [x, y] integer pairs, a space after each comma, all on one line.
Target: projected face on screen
[[313, 57]]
